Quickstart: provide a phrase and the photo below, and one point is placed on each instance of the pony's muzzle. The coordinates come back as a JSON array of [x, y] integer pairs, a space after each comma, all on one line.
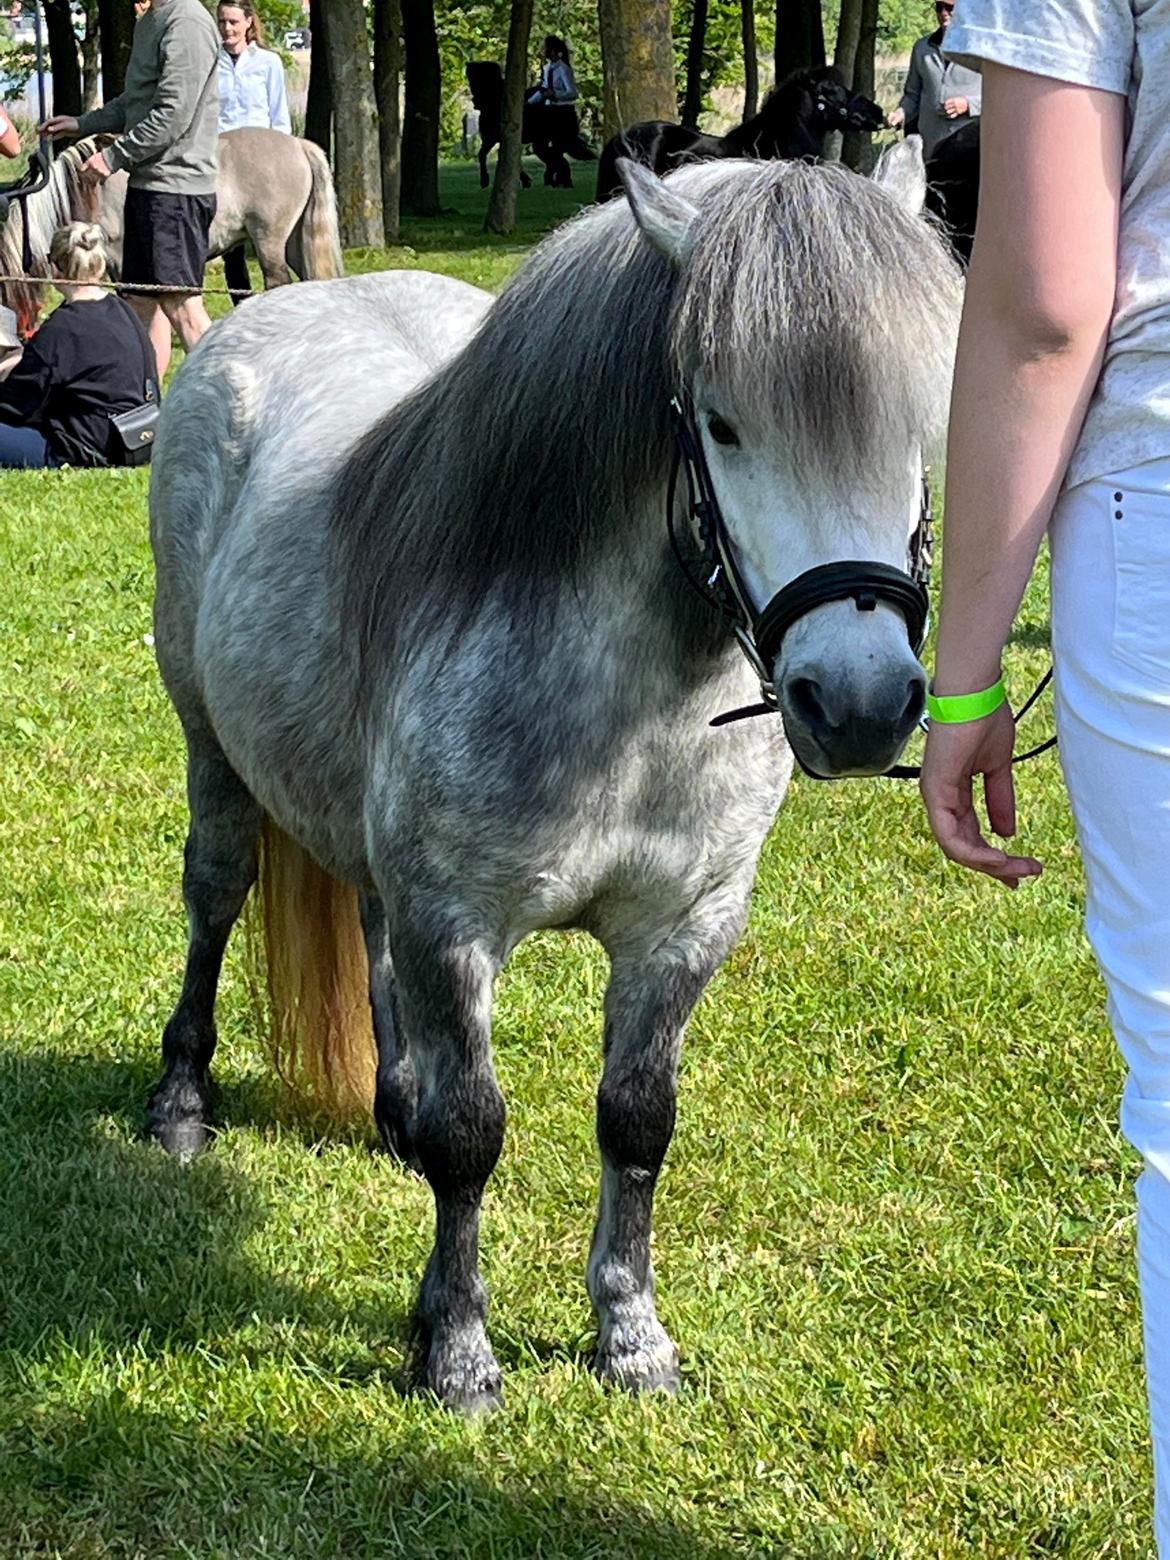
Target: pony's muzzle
[[845, 721]]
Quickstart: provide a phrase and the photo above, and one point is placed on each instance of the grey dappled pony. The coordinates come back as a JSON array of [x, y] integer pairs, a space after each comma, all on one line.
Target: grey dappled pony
[[273, 188], [454, 663]]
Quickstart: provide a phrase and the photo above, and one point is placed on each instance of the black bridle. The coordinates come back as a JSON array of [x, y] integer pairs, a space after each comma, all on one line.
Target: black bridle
[[761, 634], [36, 176]]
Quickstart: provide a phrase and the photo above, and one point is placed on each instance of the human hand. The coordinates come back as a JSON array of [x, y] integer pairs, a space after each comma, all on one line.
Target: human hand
[[95, 170], [954, 755], [956, 107], [58, 126], [895, 119]]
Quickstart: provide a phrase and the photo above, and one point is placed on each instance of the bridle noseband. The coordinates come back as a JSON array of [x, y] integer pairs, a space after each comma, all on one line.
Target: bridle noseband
[[760, 634]]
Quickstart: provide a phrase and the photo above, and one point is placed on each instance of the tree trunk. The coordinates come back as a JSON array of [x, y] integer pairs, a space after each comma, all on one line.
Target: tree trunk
[[693, 101], [91, 69], [387, 71], [857, 150], [638, 62], [800, 36], [420, 129], [355, 125], [501, 212], [319, 98], [751, 59], [844, 58], [848, 36], [64, 60], [116, 26]]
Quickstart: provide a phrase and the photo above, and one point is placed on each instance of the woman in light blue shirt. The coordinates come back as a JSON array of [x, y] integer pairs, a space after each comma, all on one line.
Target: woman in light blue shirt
[[251, 94]]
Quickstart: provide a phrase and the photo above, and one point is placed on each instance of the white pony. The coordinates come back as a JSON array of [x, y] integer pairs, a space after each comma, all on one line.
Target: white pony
[[454, 662]]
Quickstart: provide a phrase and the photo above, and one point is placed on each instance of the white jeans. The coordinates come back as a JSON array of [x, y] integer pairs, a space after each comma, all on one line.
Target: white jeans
[[1111, 646]]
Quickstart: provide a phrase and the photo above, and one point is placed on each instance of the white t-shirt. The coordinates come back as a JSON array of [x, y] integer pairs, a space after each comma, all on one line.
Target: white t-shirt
[[1120, 46]]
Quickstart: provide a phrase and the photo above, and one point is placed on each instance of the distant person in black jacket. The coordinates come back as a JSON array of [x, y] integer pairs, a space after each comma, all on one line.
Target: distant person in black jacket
[[91, 357]]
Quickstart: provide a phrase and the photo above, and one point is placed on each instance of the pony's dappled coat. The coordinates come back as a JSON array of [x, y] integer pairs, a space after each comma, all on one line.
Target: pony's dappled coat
[[453, 659]]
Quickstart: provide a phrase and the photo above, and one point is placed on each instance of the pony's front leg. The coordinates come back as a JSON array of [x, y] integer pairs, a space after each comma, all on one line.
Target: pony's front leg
[[650, 997], [444, 1002]]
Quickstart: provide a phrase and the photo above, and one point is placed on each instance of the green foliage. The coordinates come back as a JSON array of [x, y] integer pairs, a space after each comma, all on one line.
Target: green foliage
[[479, 31], [894, 1233]]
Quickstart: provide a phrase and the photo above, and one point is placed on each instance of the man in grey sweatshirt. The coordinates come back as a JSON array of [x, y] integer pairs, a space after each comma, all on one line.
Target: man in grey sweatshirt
[[166, 121]]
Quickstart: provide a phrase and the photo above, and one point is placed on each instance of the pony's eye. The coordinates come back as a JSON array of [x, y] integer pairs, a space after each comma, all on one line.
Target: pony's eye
[[722, 432]]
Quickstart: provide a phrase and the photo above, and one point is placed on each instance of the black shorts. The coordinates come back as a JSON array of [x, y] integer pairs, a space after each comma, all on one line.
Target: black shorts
[[165, 238]]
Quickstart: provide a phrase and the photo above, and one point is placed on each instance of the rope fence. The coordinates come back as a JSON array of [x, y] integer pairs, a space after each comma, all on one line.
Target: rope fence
[[137, 287]]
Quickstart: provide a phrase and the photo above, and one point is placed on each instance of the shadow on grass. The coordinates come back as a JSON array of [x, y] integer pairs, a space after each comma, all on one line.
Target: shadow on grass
[[1031, 636], [106, 1239], [460, 224], [119, 1480]]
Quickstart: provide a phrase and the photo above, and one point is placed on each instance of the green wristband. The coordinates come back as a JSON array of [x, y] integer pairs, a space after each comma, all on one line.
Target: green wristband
[[955, 709]]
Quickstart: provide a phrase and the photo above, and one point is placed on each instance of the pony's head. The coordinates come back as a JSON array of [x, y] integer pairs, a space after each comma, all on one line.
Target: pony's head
[[812, 331], [831, 105], [35, 218]]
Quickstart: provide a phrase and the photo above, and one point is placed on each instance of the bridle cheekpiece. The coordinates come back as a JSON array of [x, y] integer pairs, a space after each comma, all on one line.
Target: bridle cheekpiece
[[760, 634]]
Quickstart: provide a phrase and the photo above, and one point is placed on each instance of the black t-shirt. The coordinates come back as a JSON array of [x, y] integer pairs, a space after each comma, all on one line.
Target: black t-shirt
[[88, 359]]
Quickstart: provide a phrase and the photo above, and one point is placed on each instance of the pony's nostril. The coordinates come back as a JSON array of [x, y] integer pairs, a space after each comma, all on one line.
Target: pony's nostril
[[804, 698], [913, 706]]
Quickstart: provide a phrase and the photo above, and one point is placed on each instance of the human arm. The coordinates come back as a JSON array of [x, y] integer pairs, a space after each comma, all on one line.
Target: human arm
[[278, 114], [25, 391], [9, 136], [109, 118], [188, 54], [1039, 300], [907, 109]]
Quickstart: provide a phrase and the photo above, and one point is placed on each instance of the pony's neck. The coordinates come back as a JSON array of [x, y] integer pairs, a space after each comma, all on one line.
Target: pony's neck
[[784, 127]]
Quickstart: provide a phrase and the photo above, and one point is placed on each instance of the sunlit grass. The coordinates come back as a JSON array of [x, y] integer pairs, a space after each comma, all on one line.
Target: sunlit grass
[[894, 1234]]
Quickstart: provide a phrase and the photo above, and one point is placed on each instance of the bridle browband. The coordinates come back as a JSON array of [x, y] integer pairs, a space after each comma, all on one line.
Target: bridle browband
[[760, 634]]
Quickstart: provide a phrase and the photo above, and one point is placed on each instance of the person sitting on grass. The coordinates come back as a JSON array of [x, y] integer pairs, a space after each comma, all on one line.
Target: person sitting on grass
[[91, 359]]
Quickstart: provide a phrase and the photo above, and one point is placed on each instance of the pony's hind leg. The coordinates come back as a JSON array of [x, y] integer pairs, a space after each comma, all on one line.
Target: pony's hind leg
[[444, 1002], [270, 253], [396, 1088], [219, 868], [650, 997]]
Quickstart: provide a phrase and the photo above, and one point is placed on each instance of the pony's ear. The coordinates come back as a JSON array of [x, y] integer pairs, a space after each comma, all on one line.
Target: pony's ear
[[901, 170], [665, 218]]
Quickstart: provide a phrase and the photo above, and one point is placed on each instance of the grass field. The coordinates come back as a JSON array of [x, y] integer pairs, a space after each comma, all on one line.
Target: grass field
[[894, 1233]]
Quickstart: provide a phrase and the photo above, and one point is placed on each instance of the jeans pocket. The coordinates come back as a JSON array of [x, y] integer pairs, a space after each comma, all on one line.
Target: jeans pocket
[[1140, 524]]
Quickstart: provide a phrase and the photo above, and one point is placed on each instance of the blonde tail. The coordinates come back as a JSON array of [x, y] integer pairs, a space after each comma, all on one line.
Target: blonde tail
[[320, 1031], [320, 241]]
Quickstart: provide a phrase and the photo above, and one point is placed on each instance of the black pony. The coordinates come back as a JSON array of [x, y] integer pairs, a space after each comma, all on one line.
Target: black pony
[[793, 122], [952, 186], [552, 136]]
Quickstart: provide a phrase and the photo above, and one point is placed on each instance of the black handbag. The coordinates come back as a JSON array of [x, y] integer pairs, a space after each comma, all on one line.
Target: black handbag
[[134, 430]]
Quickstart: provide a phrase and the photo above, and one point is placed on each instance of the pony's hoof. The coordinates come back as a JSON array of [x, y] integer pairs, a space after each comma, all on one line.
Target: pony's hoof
[[182, 1140], [177, 1117], [470, 1392], [639, 1370]]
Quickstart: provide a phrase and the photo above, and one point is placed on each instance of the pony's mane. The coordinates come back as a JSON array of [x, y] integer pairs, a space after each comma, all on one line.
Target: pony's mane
[[821, 311], [62, 200]]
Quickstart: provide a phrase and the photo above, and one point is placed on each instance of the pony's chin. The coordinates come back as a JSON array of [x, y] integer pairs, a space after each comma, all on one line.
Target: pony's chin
[[824, 764]]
